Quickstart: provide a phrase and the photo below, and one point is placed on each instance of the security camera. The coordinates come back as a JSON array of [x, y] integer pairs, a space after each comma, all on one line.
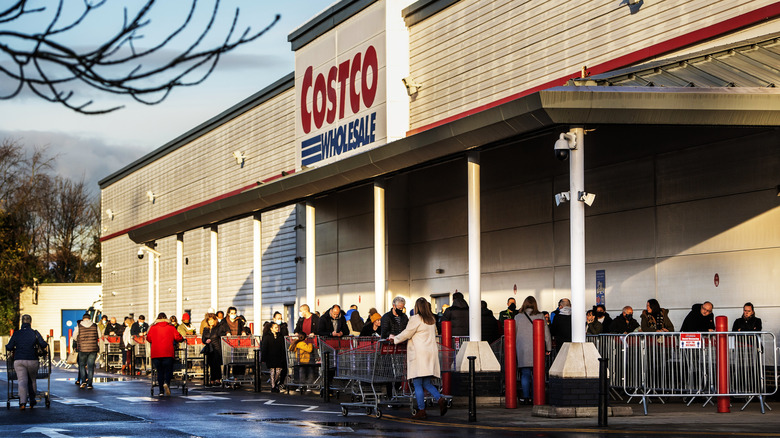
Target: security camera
[[140, 253], [563, 145]]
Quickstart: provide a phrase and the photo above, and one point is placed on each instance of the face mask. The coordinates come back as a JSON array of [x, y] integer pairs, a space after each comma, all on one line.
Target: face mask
[[512, 307], [599, 314], [277, 321], [232, 317], [300, 314], [630, 316]]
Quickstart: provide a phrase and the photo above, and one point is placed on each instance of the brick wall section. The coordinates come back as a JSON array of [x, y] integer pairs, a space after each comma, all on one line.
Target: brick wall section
[[573, 392], [487, 384]]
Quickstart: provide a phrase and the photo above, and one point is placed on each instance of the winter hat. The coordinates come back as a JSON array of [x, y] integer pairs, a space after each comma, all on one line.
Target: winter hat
[[374, 317], [185, 317]]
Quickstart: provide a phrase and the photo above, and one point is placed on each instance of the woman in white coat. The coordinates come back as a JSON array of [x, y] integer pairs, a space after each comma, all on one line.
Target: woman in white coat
[[422, 355]]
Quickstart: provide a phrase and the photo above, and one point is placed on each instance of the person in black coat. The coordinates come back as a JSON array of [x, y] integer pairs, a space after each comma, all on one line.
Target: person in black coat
[[372, 327], [489, 324], [625, 323], [394, 321], [231, 325], [748, 322], [560, 329], [308, 322], [26, 363], [212, 349], [601, 315], [113, 328], [458, 315], [333, 323], [699, 319], [273, 354]]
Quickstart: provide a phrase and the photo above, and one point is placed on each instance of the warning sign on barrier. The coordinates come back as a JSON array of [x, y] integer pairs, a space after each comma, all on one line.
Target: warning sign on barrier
[[690, 340]]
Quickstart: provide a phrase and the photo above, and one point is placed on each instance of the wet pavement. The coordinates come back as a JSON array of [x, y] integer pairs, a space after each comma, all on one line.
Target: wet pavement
[[123, 407]]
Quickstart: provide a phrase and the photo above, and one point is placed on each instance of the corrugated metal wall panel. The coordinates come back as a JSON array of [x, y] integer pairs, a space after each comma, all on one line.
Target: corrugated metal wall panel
[[278, 259]]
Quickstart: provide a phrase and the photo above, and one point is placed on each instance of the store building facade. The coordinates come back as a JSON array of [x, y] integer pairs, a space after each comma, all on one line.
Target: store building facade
[[411, 153]]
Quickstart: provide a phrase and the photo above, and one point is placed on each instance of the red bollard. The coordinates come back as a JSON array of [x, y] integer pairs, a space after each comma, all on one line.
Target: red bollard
[[51, 333], [510, 363], [540, 355], [446, 341], [252, 327], [724, 402], [70, 335]]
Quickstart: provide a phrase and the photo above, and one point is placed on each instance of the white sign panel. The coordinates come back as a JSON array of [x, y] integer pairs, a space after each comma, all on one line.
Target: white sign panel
[[690, 340], [341, 88]]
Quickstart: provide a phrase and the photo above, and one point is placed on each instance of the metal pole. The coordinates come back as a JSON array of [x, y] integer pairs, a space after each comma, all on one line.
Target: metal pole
[[446, 341], [577, 235], [475, 252], [603, 392], [724, 401], [540, 356], [326, 377], [258, 384], [510, 363], [472, 391]]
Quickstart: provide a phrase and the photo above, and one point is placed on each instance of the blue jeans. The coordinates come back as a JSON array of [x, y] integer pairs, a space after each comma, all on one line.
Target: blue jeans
[[164, 367], [421, 383], [87, 366], [526, 378]]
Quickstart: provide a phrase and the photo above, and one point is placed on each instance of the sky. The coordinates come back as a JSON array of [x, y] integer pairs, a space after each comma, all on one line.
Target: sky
[[92, 147]]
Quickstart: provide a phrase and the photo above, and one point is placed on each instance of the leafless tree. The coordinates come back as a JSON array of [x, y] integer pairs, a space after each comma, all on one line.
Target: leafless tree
[[43, 62]]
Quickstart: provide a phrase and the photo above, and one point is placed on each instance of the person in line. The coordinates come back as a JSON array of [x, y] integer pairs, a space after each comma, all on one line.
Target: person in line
[[560, 328], [509, 313], [231, 325], [307, 321], [113, 329], [625, 323], [655, 318], [277, 319], [220, 316], [174, 321], [128, 344], [355, 323], [489, 325], [333, 323], [748, 322], [601, 315], [371, 313], [273, 354], [86, 338], [373, 327], [186, 328], [395, 320], [458, 315], [699, 319], [352, 308], [140, 327], [524, 341], [593, 326], [422, 356], [205, 323], [304, 370], [555, 312], [212, 349], [102, 324], [23, 344], [162, 338], [546, 317]]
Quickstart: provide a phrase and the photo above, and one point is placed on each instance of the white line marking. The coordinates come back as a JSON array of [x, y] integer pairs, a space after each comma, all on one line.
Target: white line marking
[[76, 401]]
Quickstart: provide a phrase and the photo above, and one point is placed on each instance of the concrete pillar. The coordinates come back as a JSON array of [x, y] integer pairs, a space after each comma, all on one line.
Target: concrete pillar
[[179, 274], [475, 255], [257, 276], [151, 307], [577, 233], [310, 260], [214, 268], [380, 262]]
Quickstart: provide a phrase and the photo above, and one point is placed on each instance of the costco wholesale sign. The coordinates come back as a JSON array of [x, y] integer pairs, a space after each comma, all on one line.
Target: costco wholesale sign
[[348, 97]]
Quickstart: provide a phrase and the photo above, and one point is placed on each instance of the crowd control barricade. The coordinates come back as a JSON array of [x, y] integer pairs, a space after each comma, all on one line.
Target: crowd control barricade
[[44, 373], [112, 352], [676, 364], [610, 346], [237, 356], [302, 367]]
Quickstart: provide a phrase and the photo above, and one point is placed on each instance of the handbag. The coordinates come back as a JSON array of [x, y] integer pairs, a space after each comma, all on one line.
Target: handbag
[[73, 358]]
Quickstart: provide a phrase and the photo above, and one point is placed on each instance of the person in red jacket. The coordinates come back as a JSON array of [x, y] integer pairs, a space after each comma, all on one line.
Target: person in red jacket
[[163, 336]]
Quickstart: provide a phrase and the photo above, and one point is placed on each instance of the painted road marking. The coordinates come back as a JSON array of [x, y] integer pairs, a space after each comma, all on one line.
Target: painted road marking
[[139, 399], [204, 397], [75, 401]]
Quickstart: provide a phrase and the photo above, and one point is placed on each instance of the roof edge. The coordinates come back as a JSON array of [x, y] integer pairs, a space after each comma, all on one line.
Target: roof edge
[[424, 9], [283, 84], [325, 21]]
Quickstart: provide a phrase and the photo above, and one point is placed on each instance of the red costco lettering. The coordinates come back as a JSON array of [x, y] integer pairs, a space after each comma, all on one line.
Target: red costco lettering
[[327, 101]]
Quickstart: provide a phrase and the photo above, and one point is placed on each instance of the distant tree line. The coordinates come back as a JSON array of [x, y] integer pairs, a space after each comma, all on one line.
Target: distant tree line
[[49, 227]]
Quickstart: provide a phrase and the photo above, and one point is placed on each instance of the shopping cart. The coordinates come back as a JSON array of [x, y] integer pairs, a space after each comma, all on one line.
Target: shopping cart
[[141, 352], [237, 356], [112, 352], [44, 372], [331, 347], [194, 364], [302, 367], [180, 377]]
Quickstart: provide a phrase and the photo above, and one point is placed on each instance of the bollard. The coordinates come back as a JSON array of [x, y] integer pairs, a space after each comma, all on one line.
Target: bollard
[[724, 401], [540, 356], [70, 335], [510, 363], [131, 353], [258, 385], [446, 341], [206, 368], [326, 377], [472, 391], [252, 327], [51, 333], [603, 392]]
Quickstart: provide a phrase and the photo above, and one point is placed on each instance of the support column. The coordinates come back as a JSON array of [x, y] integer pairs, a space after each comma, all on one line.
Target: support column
[[257, 277], [475, 254], [577, 235], [150, 263], [214, 269], [310, 261], [380, 262], [156, 284], [179, 274]]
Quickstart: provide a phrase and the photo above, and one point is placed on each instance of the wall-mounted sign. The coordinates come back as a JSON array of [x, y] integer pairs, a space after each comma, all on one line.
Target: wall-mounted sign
[[349, 96], [601, 287]]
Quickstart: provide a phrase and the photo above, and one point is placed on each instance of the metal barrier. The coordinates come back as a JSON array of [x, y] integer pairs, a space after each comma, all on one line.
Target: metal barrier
[[664, 365]]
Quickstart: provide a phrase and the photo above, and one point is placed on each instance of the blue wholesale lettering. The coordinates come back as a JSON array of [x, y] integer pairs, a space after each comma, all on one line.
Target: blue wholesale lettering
[[341, 139]]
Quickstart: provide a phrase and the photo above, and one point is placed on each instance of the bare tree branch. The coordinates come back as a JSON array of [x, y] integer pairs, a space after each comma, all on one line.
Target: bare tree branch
[[52, 70]]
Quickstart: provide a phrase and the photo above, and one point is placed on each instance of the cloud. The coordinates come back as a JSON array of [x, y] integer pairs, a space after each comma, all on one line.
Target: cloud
[[77, 157]]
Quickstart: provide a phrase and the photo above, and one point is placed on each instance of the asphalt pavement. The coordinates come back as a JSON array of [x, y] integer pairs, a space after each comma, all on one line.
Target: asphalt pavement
[[121, 406]]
